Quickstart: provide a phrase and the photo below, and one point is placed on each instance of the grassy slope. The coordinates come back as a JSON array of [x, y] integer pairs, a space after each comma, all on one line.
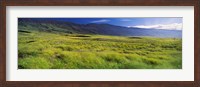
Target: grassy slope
[[41, 50]]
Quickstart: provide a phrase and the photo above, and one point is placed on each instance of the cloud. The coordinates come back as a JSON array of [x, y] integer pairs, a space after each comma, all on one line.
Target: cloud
[[100, 21], [125, 20], [174, 26]]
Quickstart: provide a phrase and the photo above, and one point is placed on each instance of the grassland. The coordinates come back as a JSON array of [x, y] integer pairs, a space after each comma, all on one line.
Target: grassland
[[42, 50]]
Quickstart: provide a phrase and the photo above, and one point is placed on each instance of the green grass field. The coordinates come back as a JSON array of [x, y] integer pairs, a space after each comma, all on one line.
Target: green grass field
[[42, 50]]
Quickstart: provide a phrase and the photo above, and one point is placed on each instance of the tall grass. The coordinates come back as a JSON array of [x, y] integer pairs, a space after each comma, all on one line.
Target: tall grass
[[42, 50]]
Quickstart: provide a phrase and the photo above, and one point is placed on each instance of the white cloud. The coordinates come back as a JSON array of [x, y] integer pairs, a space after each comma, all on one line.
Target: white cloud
[[174, 26], [100, 21]]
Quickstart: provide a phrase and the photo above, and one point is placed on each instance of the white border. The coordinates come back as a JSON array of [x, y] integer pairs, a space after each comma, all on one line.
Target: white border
[[184, 74]]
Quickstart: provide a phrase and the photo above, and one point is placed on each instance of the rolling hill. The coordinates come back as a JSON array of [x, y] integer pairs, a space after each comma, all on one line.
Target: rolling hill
[[92, 28]]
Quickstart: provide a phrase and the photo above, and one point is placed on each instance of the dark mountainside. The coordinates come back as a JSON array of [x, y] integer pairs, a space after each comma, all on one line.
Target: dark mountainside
[[102, 29]]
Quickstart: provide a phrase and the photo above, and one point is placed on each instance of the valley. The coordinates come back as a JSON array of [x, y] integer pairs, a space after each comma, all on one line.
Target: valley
[[46, 44]]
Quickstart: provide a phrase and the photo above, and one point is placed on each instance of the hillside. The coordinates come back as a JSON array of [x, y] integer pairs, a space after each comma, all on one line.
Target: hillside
[[101, 29]]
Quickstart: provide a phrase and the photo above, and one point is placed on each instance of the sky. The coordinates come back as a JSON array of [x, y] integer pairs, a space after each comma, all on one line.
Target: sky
[[168, 23]]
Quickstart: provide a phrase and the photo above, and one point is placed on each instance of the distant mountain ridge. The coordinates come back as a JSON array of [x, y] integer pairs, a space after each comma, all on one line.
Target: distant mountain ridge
[[102, 29]]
